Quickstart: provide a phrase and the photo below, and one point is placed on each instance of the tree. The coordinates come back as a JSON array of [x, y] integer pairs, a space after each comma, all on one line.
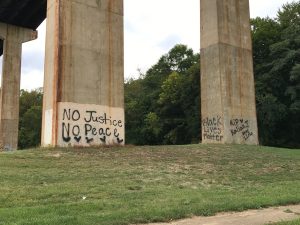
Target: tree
[[30, 118], [276, 46], [160, 104]]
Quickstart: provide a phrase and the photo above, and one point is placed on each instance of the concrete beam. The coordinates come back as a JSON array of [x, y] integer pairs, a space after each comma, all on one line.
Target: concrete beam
[[84, 77], [227, 81], [11, 75]]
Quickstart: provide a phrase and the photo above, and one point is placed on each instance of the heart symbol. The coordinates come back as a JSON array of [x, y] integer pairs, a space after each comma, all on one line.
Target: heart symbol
[[89, 140], [103, 139], [66, 139], [77, 138], [120, 140]]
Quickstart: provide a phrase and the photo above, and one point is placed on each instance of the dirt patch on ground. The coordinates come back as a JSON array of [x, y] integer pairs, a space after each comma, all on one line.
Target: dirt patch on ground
[[250, 217]]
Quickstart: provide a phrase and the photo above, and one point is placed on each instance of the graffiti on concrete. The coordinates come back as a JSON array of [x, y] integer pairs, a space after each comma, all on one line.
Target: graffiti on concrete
[[212, 128], [90, 127], [240, 126]]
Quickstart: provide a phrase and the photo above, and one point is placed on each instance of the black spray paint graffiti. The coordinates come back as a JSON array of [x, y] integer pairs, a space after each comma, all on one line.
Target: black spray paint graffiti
[[240, 126], [93, 126], [212, 129]]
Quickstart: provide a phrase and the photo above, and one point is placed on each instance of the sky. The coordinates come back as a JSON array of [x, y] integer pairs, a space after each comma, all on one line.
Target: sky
[[152, 28]]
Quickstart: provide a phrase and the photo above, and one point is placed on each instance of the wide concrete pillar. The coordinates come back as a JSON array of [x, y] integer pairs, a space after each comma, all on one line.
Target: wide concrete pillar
[[11, 75], [84, 78], [227, 83]]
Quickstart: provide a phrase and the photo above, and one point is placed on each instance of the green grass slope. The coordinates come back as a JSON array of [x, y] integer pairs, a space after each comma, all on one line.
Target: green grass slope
[[143, 184], [294, 222]]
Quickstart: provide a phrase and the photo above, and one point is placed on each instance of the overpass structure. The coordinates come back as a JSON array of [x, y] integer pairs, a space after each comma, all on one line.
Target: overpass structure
[[26, 13], [84, 77]]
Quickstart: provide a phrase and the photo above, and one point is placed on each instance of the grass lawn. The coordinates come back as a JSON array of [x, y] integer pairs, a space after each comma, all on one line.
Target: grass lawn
[[143, 184]]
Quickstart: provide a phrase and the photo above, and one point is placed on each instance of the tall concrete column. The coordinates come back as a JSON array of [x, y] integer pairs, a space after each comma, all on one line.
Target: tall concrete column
[[84, 78], [227, 83], [11, 75]]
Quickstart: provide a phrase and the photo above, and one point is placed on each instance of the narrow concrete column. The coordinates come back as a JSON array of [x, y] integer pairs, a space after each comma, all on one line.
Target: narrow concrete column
[[11, 75], [227, 83], [84, 78]]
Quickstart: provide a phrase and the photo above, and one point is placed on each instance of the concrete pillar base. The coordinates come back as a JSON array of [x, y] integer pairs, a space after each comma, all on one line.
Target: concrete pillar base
[[227, 81], [84, 74]]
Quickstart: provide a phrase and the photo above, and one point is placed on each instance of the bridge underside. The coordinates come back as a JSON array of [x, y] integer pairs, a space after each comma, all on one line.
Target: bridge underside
[[24, 13]]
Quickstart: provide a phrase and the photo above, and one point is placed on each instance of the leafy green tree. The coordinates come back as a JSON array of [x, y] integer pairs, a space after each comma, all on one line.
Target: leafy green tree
[[30, 118], [135, 110], [152, 129], [276, 46], [180, 106], [170, 108], [265, 32], [170, 89], [155, 112]]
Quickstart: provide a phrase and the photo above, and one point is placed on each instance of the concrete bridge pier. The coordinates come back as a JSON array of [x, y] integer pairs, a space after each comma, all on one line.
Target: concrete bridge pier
[[13, 38], [84, 77], [227, 82]]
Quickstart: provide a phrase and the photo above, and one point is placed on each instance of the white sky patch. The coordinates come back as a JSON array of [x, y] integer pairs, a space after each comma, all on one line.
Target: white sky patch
[[32, 80], [33, 55], [152, 28], [264, 8]]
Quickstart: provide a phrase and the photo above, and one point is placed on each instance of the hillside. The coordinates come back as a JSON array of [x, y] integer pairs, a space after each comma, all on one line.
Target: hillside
[[122, 185]]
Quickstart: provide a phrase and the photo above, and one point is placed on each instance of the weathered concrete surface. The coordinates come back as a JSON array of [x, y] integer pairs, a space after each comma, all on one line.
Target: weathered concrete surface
[[83, 71], [10, 90], [227, 82], [90, 124]]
